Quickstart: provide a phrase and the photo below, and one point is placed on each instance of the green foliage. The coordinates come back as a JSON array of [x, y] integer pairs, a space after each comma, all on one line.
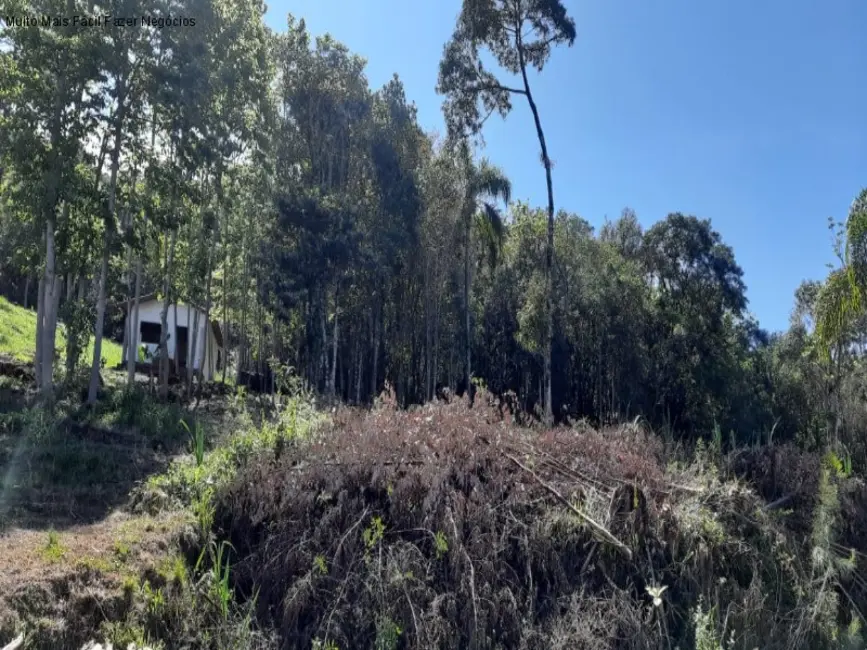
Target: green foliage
[[154, 599], [706, 636], [387, 634], [53, 551], [441, 544], [374, 532], [197, 441], [134, 407], [203, 510], [217, 577], [841, 467], [186, 483], [472, 91]]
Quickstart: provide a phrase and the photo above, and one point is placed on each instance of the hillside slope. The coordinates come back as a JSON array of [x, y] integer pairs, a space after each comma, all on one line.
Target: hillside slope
[[18, 333]]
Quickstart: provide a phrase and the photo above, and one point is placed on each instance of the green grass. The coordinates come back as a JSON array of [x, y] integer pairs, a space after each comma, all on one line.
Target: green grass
[[18, 334]]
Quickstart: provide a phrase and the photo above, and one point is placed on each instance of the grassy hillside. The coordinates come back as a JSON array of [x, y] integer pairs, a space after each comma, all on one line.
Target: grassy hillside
[[18, 334]]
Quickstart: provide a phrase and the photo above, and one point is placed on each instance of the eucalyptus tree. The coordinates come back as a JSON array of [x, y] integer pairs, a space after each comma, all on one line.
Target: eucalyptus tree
[[127, 57], [519, 34], [44, 126], [441, 235], [238, 113], [398, 151], [182, 91], [324, 106]]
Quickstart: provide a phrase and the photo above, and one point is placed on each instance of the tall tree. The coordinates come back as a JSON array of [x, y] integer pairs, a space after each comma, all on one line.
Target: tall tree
[[124, 53], [44, 130], [484, 185], [519, 34]]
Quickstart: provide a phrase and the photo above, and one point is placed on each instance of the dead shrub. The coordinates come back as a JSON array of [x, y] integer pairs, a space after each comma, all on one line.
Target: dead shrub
[[449, 527]]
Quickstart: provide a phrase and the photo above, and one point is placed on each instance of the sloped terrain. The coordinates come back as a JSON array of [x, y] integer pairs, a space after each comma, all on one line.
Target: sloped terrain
[[18, 335]]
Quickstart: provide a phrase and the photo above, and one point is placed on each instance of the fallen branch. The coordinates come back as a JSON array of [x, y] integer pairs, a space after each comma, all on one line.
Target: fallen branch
[[16, 643], [779, 503], [596, 527]]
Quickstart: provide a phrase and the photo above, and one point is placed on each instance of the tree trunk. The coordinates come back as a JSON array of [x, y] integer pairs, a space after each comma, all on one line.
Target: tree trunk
[[189, 341], [40, 313], [374, 379], [333, 379], [26, 290], [549, 244], [242, 334], [358, 370], [46, 354], [323, 350], [109, 232], [260, 336], [207, 335], [436, 340], [428, 336], [125, 354], [49, 313], [96, 364], [191, 369], [52, 322], [226, 260], [177, 358], [164, 319], [467, 331], [70, 348], [132, 354]]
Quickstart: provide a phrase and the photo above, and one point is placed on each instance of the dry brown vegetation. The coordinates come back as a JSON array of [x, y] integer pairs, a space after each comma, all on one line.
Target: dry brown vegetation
[[438, 527], [444, 527]]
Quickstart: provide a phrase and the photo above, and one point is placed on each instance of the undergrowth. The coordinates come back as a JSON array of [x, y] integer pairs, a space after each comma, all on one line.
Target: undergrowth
[[444, 527], [190, 481]]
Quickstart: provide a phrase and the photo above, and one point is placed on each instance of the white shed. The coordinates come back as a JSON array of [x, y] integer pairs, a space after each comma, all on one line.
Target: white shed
[[209, 355]]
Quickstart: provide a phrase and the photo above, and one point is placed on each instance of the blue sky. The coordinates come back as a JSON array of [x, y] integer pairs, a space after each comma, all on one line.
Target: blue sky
[[750, 113]]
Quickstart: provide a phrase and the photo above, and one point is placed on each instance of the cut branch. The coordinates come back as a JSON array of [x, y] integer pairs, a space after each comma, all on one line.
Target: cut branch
[[596, 527]]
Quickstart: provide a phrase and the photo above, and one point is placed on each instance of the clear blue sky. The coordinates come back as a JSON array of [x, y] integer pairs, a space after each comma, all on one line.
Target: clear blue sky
[[750, 113]]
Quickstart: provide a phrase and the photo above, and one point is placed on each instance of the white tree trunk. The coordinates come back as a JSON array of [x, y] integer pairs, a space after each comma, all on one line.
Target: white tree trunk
[[164, 319], [93, 387], [191, 370], [189, 341], [177, 358], [109, 237], [333, 379], [48, 313], [40, 312], [207, 335], [132, 353]]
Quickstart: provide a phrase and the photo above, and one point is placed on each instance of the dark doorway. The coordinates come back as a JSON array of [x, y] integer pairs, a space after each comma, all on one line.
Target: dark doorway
[[181, 347]]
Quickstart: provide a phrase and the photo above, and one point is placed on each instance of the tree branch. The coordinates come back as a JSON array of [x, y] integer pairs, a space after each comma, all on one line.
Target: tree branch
[[517, 91], [598, 528]]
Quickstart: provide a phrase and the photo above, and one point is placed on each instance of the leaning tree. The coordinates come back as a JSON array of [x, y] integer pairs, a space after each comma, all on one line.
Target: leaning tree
[[519, 34]]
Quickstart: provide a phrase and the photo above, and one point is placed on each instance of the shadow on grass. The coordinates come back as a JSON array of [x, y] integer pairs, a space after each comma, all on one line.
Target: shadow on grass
[[73, 466]]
